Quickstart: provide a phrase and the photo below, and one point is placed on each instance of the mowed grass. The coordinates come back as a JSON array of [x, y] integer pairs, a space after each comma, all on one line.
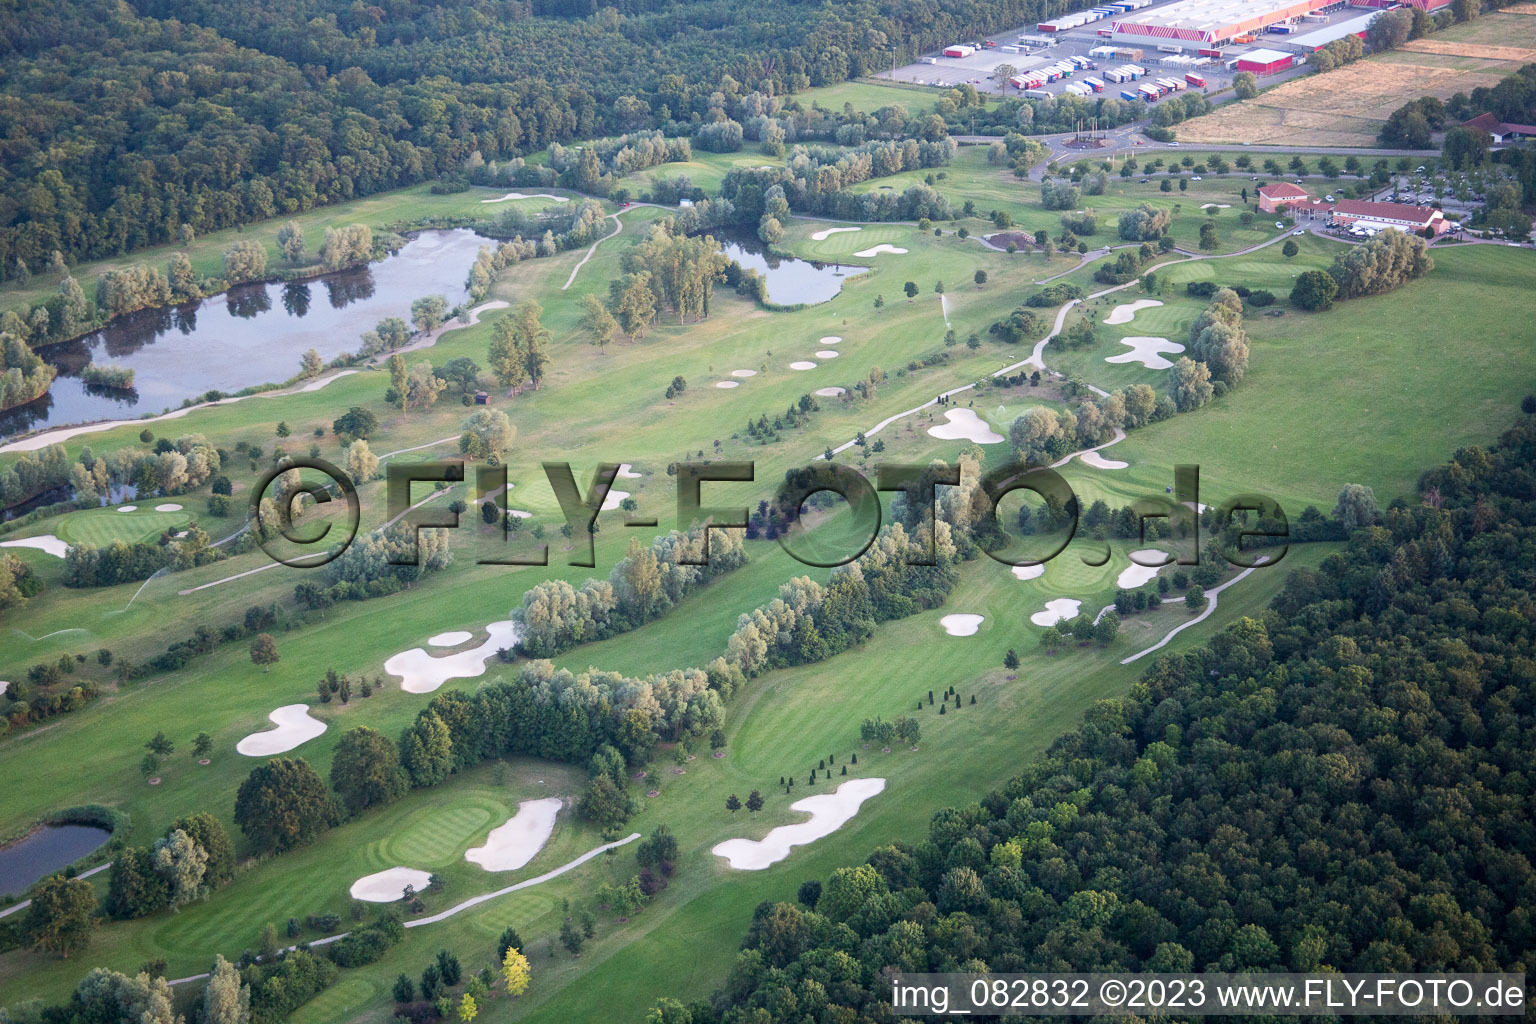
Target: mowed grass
[[871, 96], [991, 187], [100, 527], [608, 407]]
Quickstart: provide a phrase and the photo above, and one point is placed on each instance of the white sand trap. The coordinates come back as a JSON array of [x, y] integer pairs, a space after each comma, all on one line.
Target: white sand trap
[[743, 373], [727, 383], [961, 624], [832, 339], [294, 726], [1126, 312], [965, 425], [802, 364], [47, 542], [389, 885], [452, 638], [1215, 206], [420, 672], [1146, 352], [825, 233], [826, 353], [1135, 574], [514, 844], [613, 499], [1029, 572], [1059, 610], [829, 812], [517, 513], [128, 508], [830, 392], [168, 507], [1098, 461], [627, 472], [4, 685], [519, 195], [882, 247]]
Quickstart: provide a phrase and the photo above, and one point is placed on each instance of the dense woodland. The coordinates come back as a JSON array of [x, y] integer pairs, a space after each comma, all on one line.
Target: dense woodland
[[1343, 783], [123, 122]]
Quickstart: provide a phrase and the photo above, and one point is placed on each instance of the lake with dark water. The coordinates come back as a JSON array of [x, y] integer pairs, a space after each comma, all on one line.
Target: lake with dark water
[[49, 849], [252, 334]]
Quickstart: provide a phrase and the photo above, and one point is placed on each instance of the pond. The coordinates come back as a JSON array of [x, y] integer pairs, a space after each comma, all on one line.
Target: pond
[[251, 334], [790, 281], [51, 848]]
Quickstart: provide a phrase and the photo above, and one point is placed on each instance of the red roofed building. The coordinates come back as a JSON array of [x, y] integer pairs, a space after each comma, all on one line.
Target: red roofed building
[[1280, 196], [1347, 212], [1501, 131]]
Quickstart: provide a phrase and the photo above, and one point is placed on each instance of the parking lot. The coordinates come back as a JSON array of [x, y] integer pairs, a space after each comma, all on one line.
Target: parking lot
[[980, 69]]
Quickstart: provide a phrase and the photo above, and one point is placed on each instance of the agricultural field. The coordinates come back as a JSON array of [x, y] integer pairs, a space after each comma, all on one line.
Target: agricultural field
[[1348, 106], [609, 404]]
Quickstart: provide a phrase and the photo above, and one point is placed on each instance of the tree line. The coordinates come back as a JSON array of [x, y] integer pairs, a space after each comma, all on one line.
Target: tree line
[[643, 585]]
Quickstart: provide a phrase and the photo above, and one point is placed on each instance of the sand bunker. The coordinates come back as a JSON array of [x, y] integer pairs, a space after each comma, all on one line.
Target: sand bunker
[[294, 726], [519, 195], [420, 672], [826, 353], [825, 233], [743, 373], [128, 508], [514, 844], [627, 472], [965, 425], [1126, 312], [168, 507], [830, 392], [1145, 351], [961, 624], [517, 513], [1056, 611], [727, 383], [613, 499], [882, 247], [1135, 574], [452, 638], [1098, 461], [803, 364], [47, 542], [1029, 572], [831, 339], [389, 885], [829, 812], [1215, 206]]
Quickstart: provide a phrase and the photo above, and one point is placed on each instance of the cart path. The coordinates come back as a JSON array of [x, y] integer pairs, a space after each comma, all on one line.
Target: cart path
[[1181, 627], [1036, 357], [618, 228], [473, 901]]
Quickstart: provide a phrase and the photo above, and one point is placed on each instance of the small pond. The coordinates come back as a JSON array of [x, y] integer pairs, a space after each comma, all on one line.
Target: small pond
[[50, 848], [790, 281]]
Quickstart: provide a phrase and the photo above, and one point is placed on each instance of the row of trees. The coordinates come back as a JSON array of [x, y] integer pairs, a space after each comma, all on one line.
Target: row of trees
[[1042, 435], [24, 376], [1293, 737], [643, 585]]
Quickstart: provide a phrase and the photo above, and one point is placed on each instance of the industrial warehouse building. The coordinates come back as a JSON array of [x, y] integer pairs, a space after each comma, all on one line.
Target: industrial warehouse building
[[1211, 22], [1264, 62]]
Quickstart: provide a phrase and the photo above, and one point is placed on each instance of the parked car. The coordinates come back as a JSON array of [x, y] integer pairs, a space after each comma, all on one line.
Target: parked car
[[1280, 224], [1196, 178], [1299, 231]]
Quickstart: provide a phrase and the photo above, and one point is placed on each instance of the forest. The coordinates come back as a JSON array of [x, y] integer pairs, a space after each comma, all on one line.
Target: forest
[[128, 125], [1342, 783]]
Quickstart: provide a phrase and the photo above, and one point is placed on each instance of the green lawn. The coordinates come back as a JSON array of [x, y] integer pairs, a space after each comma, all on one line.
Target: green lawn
[[1390, 395]]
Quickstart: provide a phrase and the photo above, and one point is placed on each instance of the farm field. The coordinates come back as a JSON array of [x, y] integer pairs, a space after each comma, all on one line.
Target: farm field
[[608, 405], [1348, 106]]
